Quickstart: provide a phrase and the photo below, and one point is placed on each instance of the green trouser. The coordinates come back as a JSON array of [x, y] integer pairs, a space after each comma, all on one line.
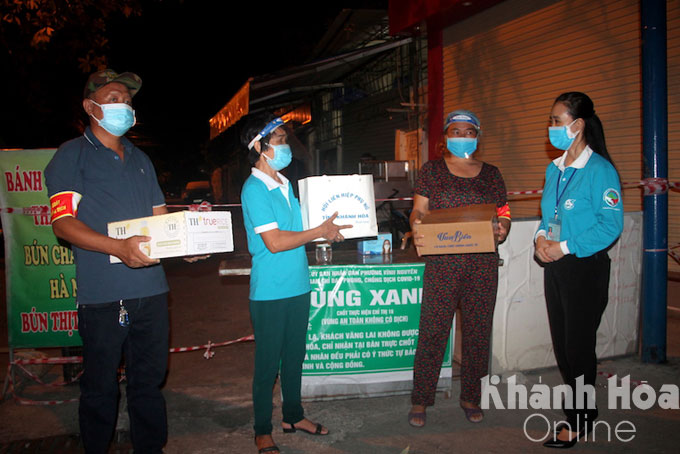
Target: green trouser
[[280, 329]]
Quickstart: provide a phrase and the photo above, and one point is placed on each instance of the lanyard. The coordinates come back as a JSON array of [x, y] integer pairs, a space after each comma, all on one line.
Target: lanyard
[[558, 196]]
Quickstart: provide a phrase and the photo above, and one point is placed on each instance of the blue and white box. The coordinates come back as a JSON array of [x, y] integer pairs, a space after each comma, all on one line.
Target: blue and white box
[[381, 245]]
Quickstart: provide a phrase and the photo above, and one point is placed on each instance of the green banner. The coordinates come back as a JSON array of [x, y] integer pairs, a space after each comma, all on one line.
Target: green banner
[[364, 319], [39, 272]]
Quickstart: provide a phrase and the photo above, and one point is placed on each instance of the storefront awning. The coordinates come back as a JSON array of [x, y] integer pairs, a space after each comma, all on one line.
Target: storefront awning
[[236, 108], [406, 15], [272, 91]]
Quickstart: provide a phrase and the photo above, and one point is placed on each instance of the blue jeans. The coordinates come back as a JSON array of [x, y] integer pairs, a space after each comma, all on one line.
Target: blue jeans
[[144, 344]]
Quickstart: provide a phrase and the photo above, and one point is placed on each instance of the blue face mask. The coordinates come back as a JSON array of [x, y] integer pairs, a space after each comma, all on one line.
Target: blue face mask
[[462, 147], [561, 137], [117, 118], [282, 157]]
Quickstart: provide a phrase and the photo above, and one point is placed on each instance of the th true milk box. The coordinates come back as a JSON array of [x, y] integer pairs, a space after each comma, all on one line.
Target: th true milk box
[[381, 245], [461, 230], [178, 234], [350, 195]]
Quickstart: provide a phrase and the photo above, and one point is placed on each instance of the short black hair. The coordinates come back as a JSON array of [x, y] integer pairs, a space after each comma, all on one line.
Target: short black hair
[[254, 125]]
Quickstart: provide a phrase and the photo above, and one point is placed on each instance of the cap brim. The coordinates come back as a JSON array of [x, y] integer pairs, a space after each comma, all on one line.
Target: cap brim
[[446, 126]]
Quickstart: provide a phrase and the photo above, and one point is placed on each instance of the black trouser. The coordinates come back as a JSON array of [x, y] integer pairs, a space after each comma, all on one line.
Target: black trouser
[[144, 342], [576, 293]]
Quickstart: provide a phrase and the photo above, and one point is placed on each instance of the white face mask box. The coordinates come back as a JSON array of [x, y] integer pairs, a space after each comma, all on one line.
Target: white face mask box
[[178, 234], [381, 245], [350, 195]]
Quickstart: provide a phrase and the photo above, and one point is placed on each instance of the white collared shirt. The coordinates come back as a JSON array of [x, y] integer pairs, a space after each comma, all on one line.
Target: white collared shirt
[[578, 163]]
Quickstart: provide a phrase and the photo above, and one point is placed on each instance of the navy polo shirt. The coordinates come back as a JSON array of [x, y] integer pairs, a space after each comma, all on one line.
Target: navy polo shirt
[[111, 190]]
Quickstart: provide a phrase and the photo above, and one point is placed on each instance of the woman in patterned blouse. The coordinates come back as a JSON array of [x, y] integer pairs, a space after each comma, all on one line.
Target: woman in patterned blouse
[[463, 282]]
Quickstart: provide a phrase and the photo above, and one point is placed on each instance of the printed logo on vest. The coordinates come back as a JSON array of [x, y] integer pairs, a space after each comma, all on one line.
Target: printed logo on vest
[[569, 204], [611, 197]]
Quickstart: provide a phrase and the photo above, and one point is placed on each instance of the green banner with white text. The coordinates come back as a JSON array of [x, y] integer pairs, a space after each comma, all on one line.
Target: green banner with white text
[[364, 319], [39, 271]]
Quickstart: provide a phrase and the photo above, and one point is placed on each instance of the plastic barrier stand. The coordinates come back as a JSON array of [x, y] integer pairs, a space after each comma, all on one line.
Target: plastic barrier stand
[[521, 335]]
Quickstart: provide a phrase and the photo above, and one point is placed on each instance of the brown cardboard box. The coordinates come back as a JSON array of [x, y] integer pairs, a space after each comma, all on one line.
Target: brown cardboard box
[[458, 230]]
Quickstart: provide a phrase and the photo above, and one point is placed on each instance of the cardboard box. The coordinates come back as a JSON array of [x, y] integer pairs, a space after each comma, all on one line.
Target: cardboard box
[[377, 246], [461, 230], [179, 233], [351, 196]]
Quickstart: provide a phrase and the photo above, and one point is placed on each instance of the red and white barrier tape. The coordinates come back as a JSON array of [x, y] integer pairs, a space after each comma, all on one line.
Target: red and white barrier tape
[[205, 206], [675, 254], [654, 186], [23, 401], [535, 191], [78, 359], [33, 210], [651, 186], [209, 346], [37, 379], [634, 383], [54, 360]]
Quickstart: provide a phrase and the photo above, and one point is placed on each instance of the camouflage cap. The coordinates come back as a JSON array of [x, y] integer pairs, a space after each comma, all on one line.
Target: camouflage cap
[[101, 78]]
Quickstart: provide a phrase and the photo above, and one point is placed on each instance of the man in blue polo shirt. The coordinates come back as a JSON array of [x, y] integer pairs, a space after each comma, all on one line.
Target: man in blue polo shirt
[[92, 180]]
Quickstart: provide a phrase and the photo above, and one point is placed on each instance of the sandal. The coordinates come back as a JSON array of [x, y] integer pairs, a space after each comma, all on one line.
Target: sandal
[[560, 426], [471, 413], [266, 449], [269, 449], [415, 416], [318, 431]]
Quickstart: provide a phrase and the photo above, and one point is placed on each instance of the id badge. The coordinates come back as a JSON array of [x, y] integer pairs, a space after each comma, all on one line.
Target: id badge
[[554, 228]]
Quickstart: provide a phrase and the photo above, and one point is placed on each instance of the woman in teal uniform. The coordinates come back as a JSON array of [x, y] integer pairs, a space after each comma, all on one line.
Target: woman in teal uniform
[[279, 280], [582, 216]]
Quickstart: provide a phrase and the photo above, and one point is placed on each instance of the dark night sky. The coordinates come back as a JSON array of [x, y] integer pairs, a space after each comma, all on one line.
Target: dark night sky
[[192, 57]]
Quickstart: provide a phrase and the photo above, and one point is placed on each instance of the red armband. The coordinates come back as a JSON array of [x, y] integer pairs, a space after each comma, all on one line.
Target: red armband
[[503, 212], [64, 204]]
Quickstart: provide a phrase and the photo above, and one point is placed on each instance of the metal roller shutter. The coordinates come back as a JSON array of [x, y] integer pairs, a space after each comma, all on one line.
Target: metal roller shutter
[[673, 28], [510, 62], [370, 128]]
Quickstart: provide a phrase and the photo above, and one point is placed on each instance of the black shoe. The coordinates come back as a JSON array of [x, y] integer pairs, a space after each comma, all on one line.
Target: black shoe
[[553, 442]]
